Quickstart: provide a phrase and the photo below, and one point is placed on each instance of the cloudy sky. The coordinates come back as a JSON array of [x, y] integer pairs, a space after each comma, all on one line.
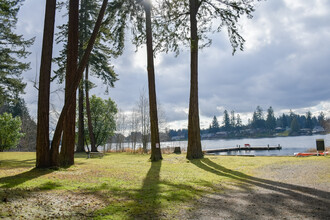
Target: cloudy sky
[[285, 65]]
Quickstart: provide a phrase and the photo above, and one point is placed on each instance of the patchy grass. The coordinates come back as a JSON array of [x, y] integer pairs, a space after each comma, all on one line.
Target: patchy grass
[[122, 185]]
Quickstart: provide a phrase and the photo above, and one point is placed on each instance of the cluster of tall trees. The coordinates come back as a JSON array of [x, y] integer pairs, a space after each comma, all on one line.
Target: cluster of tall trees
[[94, 33], [49, 154], [13, 49], [260, 123], [15, 118], [267, 123]]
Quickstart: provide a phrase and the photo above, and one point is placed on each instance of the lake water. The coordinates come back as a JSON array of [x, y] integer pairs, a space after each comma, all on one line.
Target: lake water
[[290, 145]]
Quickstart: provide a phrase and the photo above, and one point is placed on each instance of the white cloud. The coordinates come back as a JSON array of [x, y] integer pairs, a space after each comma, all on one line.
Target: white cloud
[[285, 65]]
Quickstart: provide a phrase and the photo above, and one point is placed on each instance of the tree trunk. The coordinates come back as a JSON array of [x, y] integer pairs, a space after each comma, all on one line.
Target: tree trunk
[[42, 148], [74, 85], [194, 150], [89, 116], [81, 126], [68, 139], [155, 144], [82, 38]]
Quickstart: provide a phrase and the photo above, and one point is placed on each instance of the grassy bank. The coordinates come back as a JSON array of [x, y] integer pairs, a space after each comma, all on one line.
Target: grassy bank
[[121, 185]]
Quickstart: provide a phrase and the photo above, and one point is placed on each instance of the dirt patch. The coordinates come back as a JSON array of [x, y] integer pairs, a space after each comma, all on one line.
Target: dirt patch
[[278, 191], [49, 205]]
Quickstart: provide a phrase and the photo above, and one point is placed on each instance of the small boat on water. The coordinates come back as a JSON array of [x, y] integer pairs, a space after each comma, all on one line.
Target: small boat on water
[[311, 154]]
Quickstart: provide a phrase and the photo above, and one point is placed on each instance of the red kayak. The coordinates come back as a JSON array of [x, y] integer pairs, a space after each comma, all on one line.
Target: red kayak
[[310, 154]]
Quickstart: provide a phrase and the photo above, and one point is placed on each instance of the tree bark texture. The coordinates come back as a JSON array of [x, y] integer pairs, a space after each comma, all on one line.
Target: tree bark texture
[[89, 116], [82, 38], [81, 124], [68, 139], [194, 150], [155, 144], [75, 83], [42, 148]]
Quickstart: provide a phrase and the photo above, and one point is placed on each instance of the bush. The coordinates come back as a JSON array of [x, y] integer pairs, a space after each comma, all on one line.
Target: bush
[[9, 131]]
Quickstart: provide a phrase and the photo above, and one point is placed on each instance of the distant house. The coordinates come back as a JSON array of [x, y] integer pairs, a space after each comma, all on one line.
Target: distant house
[[248, 131], [305, 131], [208, 135], [318, 129], [221, 134], [279, 129]]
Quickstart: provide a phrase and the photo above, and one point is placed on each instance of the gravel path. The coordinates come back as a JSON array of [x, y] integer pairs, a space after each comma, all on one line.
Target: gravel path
[[282, 191]]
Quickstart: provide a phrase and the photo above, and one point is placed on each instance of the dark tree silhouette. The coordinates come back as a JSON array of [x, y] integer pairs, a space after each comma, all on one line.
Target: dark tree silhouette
[[155, 143], [42, 148], [74, 85]]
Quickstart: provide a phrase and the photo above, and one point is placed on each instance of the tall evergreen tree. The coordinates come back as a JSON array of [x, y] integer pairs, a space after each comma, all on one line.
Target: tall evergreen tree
[[258, 121], [270, 120], [143, 27], [68, 139], [309, 122], [13, 47], [238, 122], [226, 121], [109, 44], [232, 119], [214, 127], [321, 119], [188, 22], [155, 143], [284, 121], [43, 144], [73, 87], [294, 126]]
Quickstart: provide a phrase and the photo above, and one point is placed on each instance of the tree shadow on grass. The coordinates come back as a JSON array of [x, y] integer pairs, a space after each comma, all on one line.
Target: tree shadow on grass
[[13, 164], [13, 181], [152, 201], [269, 199], [142, 203], [8, 184], [147, 201]]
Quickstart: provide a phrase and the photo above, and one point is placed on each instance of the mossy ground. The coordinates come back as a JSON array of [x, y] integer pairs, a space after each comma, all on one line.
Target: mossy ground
[[122, 185]]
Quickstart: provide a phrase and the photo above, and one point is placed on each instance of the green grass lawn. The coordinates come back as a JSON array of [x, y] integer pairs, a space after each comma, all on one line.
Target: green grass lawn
[[128, 185]]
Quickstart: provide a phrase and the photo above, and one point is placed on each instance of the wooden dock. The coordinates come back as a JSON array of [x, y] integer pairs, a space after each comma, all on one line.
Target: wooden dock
[[245, 148]]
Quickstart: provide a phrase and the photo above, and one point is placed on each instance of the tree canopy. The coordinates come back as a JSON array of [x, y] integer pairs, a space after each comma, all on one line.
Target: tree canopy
[[109, 42], [13, 48], [103, 119]]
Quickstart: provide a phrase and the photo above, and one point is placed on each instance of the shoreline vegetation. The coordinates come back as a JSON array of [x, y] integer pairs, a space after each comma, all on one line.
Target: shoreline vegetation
[[254, 136], [128, 186]]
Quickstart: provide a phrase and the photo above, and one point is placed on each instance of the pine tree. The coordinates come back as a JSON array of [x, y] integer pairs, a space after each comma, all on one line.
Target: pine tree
[[109, 44], [294, 126], [187, 22], [214, 127], [74, 85], [232, 120], [284, 121], [270, 120], [68, 139], [226, 121], [43, 144], [258, 121], [309, 122], [238, 122], [13, 47], [144, 28], [321, 119]]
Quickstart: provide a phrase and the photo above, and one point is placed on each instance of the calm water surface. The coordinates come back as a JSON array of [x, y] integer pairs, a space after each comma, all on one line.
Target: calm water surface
[[290, 145]]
